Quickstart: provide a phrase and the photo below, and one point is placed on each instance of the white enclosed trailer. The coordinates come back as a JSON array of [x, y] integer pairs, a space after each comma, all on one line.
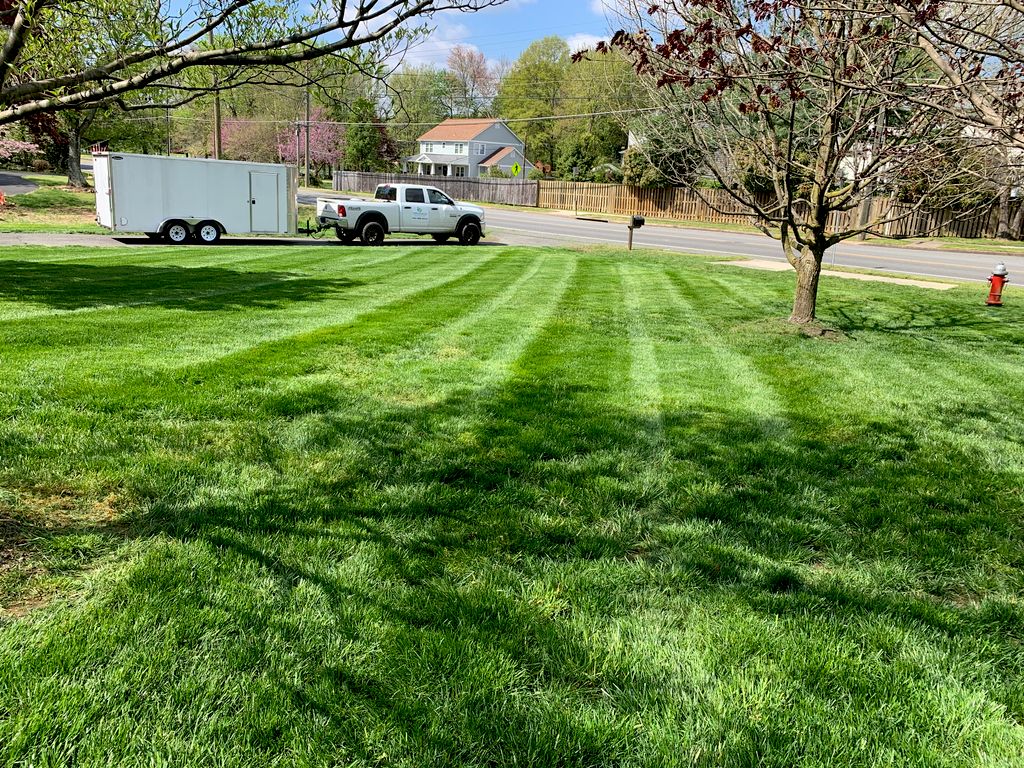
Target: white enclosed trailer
[[183, 198]]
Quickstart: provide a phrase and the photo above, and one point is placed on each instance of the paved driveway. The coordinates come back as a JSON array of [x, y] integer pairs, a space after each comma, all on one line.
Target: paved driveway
[[13, 183]]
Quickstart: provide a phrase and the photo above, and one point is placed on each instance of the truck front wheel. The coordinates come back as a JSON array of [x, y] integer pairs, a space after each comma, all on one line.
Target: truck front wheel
[[177, 232], [470, 233], [372, 233]]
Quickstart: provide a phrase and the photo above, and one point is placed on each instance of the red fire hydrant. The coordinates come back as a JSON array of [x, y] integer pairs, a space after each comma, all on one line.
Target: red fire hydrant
[[1000, 277]]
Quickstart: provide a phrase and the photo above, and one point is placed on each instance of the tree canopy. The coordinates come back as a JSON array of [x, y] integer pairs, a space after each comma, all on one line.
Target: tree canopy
[[69, 54]]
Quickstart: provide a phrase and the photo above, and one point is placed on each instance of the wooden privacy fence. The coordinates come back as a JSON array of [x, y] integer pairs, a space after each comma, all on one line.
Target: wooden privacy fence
[[712, 205], [506, 191], [717, 206]]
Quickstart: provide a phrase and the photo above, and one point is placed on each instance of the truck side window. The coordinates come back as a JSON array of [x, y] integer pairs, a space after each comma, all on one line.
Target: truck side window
[[414, 195], [386, 193], [439, 198]]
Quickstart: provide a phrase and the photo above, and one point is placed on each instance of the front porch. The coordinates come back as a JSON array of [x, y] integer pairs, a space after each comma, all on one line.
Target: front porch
[[425, 165]]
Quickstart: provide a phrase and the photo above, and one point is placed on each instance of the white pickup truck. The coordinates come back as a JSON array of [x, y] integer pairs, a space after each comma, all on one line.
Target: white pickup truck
[[408, 208]]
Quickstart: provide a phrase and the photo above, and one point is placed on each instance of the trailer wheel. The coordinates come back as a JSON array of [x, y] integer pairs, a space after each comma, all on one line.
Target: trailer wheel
[[208, 232], [372, 233], [345, 235], [470, 233], [177, 232], [440, 238]]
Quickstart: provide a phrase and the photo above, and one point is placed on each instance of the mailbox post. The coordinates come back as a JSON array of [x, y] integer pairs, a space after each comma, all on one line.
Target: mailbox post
[[634, 223]]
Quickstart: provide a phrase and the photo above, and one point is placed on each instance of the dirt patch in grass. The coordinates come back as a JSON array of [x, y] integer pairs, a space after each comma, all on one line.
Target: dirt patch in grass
[[777, 326], [49, 535]]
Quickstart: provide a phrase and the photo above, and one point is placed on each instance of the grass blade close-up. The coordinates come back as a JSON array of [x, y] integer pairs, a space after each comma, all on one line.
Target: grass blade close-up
[[439, 506]]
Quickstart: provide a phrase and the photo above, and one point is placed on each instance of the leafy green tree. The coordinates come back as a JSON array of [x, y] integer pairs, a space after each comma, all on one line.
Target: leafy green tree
[[368, 147], [533, 88], [47, 64], [419, 97]]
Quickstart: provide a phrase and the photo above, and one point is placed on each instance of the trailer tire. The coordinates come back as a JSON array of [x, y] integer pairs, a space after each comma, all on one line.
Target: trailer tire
[[208, 232], [469, 233], [372, 233], [177, 232], [345, 235]]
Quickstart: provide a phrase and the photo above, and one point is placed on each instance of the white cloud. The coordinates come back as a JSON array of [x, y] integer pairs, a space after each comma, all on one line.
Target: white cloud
[[582, 40], [598, 7], [434, 49]]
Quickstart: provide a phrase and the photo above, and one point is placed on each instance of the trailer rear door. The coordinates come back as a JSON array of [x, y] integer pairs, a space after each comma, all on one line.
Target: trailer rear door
[[104, 194], [263, 202]]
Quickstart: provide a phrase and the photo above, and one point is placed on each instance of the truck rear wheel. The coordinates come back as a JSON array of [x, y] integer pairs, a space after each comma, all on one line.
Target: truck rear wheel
[[177, 232], [208, 232], [372, 233], [470, 233]]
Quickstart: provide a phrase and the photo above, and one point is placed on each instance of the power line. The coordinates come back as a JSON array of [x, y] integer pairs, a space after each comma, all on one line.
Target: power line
[[482, 121]]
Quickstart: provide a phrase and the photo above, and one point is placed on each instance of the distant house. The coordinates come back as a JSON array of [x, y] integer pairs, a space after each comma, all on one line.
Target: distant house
[[468, 148]]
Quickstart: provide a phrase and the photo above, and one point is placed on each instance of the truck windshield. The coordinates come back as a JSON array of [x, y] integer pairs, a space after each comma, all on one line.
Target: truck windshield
[[386, 193]]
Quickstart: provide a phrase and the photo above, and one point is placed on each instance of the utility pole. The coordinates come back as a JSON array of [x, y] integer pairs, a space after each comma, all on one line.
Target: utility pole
[[216, 110], [298, 157], [307, 129]]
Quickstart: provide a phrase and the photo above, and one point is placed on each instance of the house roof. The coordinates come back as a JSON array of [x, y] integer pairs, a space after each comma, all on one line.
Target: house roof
[[496, 157], [458, 129], [438, 159]]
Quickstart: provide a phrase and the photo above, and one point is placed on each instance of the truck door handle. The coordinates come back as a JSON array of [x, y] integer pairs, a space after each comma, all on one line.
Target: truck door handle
[[408, 207], [433, 207]]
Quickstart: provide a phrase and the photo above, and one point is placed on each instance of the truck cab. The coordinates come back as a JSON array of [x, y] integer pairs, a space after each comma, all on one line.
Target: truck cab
[[402, 208]]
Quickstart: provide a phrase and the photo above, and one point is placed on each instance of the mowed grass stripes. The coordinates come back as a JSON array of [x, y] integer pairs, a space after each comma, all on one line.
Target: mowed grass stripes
[[502, 506]]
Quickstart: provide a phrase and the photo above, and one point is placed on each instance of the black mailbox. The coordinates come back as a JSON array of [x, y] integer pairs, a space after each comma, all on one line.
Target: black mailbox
[[637, 222]]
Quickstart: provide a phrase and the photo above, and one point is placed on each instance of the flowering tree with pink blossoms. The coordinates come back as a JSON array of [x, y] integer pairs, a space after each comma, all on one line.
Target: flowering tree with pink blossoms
[[326, 142]]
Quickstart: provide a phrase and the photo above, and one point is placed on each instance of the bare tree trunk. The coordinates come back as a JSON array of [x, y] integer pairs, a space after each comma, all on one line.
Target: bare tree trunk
[[76, 125], [805, 300], [1017, 227], [1003, 223]]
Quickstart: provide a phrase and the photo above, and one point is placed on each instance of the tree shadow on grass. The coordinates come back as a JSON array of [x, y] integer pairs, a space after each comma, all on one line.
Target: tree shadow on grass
[[504, 577], [70, 286], [503, 561]]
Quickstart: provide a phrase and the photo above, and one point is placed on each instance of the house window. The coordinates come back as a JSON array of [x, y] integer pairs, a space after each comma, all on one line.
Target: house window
[[481, 149], [460, 170], [460, 148], [428, 148]]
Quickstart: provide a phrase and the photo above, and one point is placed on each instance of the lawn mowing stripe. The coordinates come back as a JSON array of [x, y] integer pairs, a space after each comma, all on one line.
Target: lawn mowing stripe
[[288, 356], [123, 327], [497, 333], [752, 393], [644, 369]]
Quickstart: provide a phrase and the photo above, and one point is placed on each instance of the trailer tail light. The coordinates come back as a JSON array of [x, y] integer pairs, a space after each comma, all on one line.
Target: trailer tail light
[[341, 211]]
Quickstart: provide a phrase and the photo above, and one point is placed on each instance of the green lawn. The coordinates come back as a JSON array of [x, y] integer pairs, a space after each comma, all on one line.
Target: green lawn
[[448, 506], [48, 209]]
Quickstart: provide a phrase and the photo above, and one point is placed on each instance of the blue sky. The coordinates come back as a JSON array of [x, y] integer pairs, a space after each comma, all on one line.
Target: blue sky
[[506, 30]]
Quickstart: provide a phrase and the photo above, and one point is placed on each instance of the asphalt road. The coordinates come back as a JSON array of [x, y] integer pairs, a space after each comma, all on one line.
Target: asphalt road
[[550, 229], [520, 227], [12, 183]]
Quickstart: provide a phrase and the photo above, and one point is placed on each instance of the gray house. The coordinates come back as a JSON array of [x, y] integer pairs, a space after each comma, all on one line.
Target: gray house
[[468, 148]]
